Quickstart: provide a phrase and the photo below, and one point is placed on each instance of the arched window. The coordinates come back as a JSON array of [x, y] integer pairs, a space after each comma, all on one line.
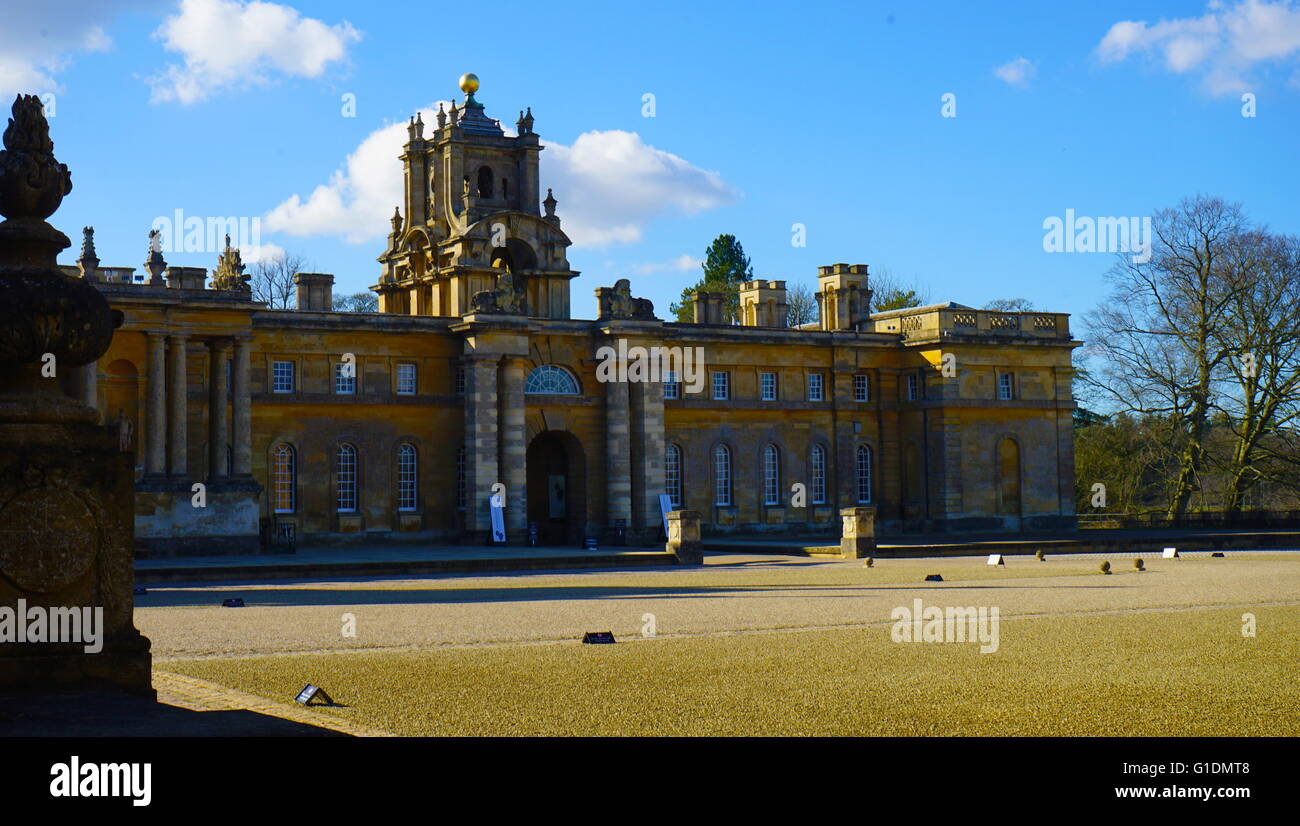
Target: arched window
[[864, 473], [817, 480], [771, 475], [673, 475], [461, 487], [283, 481], [345, 478], [485, 189], [406, 477], [722, 475], [551, 379]]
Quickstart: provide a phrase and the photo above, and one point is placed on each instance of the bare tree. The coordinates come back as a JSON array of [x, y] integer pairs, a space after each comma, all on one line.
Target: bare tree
[[891, 292], [1261, 331], [1010, 305], [1155, 332], [271, 279], [363, 302], [801, 306]]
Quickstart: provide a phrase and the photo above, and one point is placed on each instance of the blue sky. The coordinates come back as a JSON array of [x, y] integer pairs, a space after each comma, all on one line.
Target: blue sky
[[766, 115]]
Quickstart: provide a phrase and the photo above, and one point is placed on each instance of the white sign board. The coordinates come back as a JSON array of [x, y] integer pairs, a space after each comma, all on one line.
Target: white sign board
[[498, 520], [1170, 553], [665, 505], [996, 559]]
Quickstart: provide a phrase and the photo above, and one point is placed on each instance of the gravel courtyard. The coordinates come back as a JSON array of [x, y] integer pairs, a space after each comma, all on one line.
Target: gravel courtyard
[[762, 644]]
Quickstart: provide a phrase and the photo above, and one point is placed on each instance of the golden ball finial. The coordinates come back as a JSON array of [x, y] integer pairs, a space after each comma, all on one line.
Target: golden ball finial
[[469, 83]]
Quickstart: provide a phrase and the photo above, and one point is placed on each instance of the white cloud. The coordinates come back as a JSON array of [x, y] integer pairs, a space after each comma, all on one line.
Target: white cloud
[[609, 185], [1017, 72], [1224, 44], [261, 252], [38, 41], [681, 263], [234, 44]]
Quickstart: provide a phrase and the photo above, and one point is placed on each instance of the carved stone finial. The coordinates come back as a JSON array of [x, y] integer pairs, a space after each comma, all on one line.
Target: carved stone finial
[[442, 116], [397, 220], [419, 126], [550, 203], [88, 245], [42, 310], [526, 122], [32, 181], [229, 274], [454, 114]]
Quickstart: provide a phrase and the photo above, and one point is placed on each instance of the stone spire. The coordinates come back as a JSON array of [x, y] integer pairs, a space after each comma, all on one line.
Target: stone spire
[[153, 262], [88, 261]]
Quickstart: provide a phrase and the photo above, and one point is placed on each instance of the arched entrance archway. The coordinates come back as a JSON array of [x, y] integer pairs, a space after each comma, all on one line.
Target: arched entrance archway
[[557, 487]]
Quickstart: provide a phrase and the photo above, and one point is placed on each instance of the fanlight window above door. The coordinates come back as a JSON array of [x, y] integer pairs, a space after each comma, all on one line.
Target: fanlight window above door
[[553, 380]]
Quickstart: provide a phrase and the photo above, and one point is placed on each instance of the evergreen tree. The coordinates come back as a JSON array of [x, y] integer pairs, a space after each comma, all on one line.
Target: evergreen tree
[[725, 267]]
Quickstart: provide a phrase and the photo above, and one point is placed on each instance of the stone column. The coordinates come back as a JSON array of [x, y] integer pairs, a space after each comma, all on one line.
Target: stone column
[[178, 394], [684, 537], [88, 384], [858, 539], [513, 445], [218, 418], [155, 459], [480, 440], [651, 445], [618, 462], [243, 411]]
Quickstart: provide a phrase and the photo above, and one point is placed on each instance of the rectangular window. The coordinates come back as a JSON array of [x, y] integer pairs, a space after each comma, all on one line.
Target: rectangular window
[[767, 383], [282, 377], [913, 387], [861, 388], [405, 379], [460, 379], [406, 478], [672, 387], [1006, 386], [721, 386], [345, 378], [816, 391]]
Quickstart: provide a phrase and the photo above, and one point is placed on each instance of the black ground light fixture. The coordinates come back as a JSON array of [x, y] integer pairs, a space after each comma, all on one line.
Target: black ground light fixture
[[232, 602], [598, 637]]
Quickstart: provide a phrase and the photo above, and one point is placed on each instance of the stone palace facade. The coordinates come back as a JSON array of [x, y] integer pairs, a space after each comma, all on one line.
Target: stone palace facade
[[334, 426]]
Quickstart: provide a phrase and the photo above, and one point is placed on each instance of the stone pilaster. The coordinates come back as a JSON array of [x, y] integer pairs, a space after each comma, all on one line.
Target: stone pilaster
[[218, 417], [513, 447], [178, 394], [618, 464], [480, 440], [243, 410], [155, 459]]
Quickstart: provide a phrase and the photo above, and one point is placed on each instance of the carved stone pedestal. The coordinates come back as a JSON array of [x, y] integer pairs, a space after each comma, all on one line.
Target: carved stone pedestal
[[858, 539]]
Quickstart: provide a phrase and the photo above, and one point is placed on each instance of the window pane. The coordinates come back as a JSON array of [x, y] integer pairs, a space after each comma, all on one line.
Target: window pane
[[346, 478], [722, 475], [406, 478], [673, 475]]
